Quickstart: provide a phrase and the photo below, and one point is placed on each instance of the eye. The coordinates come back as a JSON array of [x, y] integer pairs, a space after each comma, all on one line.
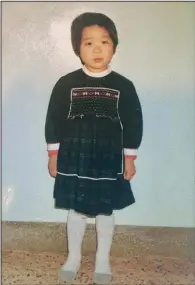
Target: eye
[[105, 42], [88, 44]]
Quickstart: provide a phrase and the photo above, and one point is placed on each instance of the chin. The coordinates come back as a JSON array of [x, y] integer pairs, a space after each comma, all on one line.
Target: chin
[[100, 68], [100, 65], [97, 66]]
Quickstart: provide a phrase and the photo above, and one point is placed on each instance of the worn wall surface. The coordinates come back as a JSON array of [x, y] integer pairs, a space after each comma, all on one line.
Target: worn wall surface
[[156, 52]]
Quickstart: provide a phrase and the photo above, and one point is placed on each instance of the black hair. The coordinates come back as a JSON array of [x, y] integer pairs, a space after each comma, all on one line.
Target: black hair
[[91, 19]]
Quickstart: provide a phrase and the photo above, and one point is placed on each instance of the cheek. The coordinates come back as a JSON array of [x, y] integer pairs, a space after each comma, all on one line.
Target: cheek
[[83, 52], [109, 52]]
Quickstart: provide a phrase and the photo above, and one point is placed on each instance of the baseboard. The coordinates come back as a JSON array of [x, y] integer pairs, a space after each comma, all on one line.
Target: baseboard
[[128, 240]]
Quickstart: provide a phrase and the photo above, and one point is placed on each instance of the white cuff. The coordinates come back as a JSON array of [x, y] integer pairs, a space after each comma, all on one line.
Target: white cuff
[[53, 146], [129, 151]]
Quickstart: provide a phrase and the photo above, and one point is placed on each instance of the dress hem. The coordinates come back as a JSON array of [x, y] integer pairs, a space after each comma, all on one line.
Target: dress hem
[[95, 214]]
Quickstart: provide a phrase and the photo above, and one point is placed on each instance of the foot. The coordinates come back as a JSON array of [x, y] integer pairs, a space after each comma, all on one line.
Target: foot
[[68, 271], [67, 276], [102, 278], [102, 274]]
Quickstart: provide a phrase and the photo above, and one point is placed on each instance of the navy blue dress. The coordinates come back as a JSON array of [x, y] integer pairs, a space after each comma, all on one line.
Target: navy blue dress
[[93, 120]]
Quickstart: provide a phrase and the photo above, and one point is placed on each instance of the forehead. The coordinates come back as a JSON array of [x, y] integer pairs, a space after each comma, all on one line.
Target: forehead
[[94, 31]]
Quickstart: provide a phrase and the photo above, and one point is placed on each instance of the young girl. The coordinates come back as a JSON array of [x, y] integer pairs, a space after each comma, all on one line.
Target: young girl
[[93, 130]]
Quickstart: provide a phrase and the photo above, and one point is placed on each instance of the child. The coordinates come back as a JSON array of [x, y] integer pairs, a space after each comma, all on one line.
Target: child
[[93, 130]]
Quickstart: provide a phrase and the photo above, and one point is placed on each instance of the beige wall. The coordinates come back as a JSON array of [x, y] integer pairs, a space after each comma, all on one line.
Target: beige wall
[[156, 52]]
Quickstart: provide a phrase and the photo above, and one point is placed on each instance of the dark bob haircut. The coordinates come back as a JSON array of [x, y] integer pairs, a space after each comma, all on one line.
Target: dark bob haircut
[[91, 19]]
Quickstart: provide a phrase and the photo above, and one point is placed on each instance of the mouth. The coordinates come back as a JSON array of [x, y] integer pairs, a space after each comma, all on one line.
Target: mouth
[[98, 59]]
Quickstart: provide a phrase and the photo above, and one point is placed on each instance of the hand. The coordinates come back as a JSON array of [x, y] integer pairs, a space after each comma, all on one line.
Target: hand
[[52, 165], [130, 169]]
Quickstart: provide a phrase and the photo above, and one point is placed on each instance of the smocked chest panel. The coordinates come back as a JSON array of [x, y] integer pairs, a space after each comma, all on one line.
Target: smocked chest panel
[[94, 101]]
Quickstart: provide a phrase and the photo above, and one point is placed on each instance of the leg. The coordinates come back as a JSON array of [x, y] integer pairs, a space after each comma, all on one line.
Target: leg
[[105, 230], [76, 225]]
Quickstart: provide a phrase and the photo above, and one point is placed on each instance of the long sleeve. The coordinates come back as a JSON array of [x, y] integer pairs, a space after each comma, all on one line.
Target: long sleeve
[[131, 118], [53, 119]]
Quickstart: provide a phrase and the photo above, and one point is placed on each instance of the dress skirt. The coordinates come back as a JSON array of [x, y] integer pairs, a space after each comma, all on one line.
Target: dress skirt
[[90, 167]]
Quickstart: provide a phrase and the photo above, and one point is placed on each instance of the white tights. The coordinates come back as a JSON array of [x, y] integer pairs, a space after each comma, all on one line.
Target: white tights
[[76, 225]]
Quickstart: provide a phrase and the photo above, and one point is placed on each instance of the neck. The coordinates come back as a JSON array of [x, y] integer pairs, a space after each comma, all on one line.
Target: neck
[[97, 74]]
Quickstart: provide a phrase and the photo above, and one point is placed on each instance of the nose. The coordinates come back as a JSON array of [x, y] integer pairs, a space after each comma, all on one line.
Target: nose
[[97, 48]]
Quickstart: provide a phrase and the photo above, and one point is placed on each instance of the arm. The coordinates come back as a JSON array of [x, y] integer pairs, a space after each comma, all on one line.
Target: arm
[[132, 121], [53, 122]]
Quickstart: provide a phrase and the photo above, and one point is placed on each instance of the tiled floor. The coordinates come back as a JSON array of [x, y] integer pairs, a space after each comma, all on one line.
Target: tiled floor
[[25, 268]]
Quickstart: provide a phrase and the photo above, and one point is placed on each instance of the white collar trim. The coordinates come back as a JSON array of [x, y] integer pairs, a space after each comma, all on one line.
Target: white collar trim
[[96, 74]]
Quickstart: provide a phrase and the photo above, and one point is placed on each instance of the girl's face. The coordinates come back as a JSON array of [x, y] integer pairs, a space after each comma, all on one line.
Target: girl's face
[[96, 49]]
